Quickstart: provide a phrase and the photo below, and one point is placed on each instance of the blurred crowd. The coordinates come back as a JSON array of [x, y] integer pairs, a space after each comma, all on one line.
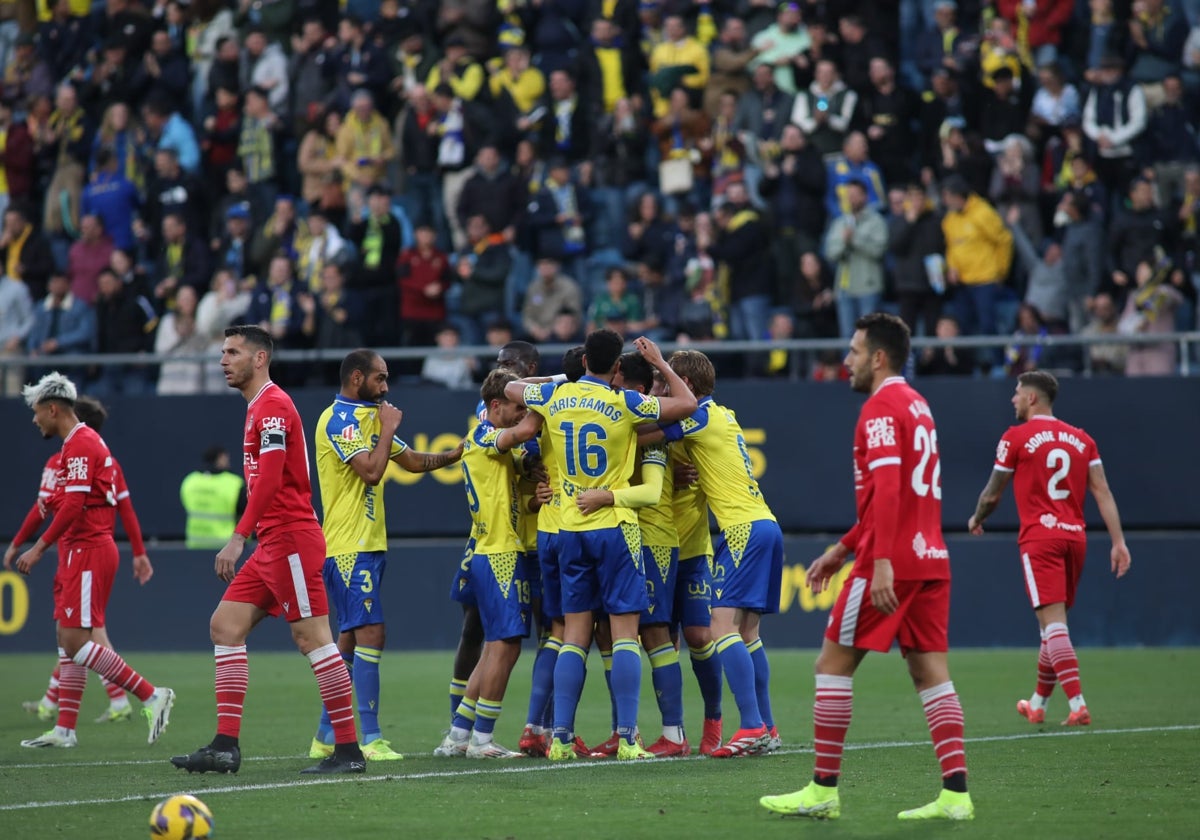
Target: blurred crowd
[[441, 174]]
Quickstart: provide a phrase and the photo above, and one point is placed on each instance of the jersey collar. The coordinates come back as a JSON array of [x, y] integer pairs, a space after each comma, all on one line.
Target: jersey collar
[[261, 391], [595, 380], [891, 380], [338, 398], [74, 429], [704, 400]]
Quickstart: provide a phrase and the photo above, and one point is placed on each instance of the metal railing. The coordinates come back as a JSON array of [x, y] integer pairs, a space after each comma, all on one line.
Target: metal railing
[[1187, 344]]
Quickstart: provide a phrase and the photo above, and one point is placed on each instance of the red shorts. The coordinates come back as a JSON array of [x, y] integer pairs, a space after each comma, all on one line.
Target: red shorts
[[1052, 569], [83, 583], [283, 576], [921, 623]]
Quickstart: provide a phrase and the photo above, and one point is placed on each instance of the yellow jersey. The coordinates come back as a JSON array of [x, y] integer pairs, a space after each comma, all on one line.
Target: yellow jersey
[[527, 523], [593, 431], [690, 508], [490, 479], [353, 511], [550, 512], [657, 521], [713, 441]]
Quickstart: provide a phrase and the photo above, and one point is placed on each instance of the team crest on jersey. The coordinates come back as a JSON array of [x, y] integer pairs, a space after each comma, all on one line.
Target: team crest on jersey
[[349, 433], [1002, 450], [881, 431]]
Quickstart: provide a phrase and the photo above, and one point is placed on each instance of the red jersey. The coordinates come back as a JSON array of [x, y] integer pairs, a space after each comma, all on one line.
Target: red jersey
[[275, 464], [86, 510], [897, 486], [1049, 460]]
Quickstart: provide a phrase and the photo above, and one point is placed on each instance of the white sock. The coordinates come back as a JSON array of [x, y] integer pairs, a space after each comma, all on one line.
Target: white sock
[[457, 733], [536, 730], [674, 734], [481, 738], [1037, 701], [1077, 703], [63, 731], [120, 704], [46, 704]]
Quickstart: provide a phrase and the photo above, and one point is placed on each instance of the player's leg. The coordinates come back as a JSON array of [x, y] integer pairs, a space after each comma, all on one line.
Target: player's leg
[[97, 567], [501, 658], [470, 640], [749, 626], [47, 707], [754, 585], [1034, 709], [580, 596], [924, 641], [668, 689], [71, 679], [322, 743], [617, 553], [1063, 660], [338, 573], [692, 611], [1054, 571], [602, 635], [537, 720], [118, 701], [455, 741]]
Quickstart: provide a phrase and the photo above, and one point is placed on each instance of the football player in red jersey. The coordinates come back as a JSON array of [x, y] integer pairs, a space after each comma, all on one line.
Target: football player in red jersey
[[282, 575], [90, 411], [899, 588], [84, 510], [1052, 466]]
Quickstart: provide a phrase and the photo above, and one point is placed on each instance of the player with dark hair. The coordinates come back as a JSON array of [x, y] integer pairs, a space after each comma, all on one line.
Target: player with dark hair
[[92, 412], [356, 441], [899, 588], [497, 569], [84, 508], [650, 494], [282, 575], [1052, 466], [748, 563], [592, 429]]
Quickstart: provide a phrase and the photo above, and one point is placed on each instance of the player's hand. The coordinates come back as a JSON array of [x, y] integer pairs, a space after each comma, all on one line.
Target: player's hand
[[456, 454], [28, 560], [1120, 559], [686, 474], [10, 554], [590, 501], [974, 526], [543, 493], [649, 351], [142, 570], [389, 417], [227, 557], [883, 594], [536, 471], [825, 567]]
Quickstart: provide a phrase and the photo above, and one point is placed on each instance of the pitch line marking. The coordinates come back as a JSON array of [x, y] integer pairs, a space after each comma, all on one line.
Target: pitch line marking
[[535, 768]]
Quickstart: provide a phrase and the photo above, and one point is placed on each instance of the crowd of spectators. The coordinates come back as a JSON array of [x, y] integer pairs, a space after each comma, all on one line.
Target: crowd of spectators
[[441, 174]]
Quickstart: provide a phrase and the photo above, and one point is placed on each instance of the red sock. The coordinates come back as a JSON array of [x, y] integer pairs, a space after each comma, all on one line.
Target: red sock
[[1046, 677], [944, 715], [72, 679], [333, 681], [831, 719], [1062, 657], [115, 692], [52, 689], [233, 676], [108, 663]]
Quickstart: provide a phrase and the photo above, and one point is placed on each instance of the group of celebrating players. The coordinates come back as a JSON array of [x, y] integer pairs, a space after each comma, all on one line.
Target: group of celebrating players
[[589, 496]]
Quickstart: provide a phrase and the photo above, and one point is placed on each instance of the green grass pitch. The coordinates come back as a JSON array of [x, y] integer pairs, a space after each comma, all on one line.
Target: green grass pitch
[[1134, 774]]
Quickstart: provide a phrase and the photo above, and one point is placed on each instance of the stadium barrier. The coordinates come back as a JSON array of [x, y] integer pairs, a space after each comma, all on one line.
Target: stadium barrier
[[1151, 606], [798, 436]]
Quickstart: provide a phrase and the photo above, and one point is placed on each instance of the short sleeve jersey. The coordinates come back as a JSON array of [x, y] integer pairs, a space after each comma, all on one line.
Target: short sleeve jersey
[[657, 521], [593, 430], [690, 508], [86, 466], [1049, 460], [273, 425], [714, 442], [490, 479], [353, 510], [895, 430]]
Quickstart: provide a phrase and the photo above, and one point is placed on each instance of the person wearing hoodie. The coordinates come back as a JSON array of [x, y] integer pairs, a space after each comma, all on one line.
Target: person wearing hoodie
[[264, 65]]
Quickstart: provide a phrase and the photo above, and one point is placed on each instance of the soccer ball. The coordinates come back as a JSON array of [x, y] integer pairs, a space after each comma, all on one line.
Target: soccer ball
[[181, 817]]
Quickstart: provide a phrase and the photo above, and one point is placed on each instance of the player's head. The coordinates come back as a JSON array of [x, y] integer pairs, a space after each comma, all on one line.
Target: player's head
[[52, 399], [245, 354], [501, 411], [520, 357], [364, 376], [660, 388], [634, 373], [92, 412], [572, 363], [696, 369], [1035, 393], [601, 349], [879, 349]]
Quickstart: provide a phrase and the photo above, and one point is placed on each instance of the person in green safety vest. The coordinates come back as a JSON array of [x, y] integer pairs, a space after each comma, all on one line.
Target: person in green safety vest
[[213, 498]]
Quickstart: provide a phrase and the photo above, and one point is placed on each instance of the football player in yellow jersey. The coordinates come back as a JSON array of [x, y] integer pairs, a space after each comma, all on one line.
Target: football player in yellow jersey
[[497, 568], [592, 429], [692, 610], [355, 440], [651, 495], [748, 563]]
